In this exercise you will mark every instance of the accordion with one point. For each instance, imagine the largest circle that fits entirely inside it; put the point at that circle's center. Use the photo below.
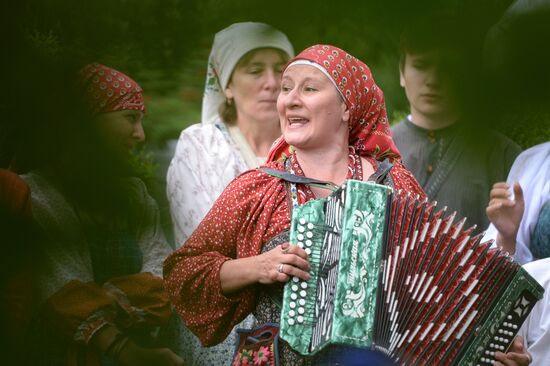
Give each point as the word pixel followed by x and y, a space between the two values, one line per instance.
pixel 394 273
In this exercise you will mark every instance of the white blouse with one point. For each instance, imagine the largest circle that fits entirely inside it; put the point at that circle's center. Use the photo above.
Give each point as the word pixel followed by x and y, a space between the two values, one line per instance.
pixel 536 329
pixel 206 160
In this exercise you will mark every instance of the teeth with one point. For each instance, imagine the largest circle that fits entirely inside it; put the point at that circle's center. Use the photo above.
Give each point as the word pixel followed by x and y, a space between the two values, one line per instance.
pixel 296 119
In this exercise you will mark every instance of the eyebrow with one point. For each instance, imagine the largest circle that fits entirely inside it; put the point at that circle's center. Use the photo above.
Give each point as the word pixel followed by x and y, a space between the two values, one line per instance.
pixel 261 63
pixel 306 79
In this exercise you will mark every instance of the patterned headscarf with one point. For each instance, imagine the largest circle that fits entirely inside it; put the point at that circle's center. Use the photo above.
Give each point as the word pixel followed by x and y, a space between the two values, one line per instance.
pixel 230 45
pixel 370 133
pixel 107 90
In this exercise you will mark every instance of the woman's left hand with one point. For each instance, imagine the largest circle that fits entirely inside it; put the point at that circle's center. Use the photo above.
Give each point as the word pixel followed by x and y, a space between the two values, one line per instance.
pixel 516 356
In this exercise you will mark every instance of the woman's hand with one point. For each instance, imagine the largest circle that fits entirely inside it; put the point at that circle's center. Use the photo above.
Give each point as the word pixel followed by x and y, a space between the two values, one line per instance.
pixel 506 213
pixel 282 263
pixel 516 356
pixel 134 355
pixel 276 265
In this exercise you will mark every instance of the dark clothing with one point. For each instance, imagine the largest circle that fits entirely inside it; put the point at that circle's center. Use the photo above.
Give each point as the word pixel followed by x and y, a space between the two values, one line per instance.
pixel 456 166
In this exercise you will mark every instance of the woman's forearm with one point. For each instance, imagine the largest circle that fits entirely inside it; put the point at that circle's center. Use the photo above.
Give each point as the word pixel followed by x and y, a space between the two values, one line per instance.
pixel 236 274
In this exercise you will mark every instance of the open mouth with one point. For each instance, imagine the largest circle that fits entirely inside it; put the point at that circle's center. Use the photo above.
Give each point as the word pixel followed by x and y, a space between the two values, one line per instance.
pixel 297 120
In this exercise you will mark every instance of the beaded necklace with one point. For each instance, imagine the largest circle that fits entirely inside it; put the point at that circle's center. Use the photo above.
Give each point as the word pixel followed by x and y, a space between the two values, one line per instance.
pixel 355 171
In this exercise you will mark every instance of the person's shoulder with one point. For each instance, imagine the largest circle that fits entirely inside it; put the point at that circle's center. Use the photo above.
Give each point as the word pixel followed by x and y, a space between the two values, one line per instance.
pixel 533 156
pixel 503 139
pixel 259 174
pixel 203 129
pixel 536 152
pixel 211 136
pixel 398 127
pixel 256 179
pixel 496 143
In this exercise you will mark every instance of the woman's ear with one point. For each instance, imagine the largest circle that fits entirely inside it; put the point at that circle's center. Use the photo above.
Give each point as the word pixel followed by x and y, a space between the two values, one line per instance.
pixel 345 116
pixel 228 92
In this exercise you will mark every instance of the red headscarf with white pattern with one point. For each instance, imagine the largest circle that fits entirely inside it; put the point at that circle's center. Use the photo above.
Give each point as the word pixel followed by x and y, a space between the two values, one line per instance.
pixel 108 90
pixel 370 133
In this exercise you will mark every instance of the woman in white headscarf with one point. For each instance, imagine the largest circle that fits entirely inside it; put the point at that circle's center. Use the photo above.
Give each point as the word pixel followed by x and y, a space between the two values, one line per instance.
pixel 239 124
pixel 239 121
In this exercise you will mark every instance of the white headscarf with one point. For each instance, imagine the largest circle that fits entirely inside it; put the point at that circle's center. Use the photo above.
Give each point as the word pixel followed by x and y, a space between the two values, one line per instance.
pixel 230 45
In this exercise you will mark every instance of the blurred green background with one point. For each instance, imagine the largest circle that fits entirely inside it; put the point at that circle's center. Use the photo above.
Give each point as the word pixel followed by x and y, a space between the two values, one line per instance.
pixel 164 44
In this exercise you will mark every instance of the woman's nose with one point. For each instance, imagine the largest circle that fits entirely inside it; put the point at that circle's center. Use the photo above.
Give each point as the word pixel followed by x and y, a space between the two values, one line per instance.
pixel 292 98
pixel 139 133
pixel 272 80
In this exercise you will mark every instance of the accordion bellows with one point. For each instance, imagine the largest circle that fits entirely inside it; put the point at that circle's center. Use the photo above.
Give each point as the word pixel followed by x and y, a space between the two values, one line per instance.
pixel 394 273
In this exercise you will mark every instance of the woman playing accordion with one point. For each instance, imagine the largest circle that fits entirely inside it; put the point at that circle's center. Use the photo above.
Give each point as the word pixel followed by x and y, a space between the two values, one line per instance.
pixel 335 128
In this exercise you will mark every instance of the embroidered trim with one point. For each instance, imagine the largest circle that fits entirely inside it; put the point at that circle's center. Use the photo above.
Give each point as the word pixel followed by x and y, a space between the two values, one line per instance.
pixel 92 324
pixel 137 315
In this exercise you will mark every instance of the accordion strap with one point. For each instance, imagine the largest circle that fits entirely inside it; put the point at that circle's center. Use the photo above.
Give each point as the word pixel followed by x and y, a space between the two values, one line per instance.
pixel 382 171
pixel 298 179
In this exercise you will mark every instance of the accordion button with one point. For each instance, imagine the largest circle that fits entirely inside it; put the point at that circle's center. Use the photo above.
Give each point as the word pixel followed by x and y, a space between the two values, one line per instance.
pixel 292 304
pixel 294 288
pixel 514 326
pixel 291 321
pixel 309 243
pixel 300 244
pixel 302 221
pixel 295 279
pixel 301 311
pixel 303 293
pixel 300 319
pixel 291 313
pixel 310 226
pixel 309 234
pixel 509 317
pixel 501 331
pixel 300 237
pixel 308 251
pixel 302 302
pixel 293 296
pixel 301 229
pixel 304 285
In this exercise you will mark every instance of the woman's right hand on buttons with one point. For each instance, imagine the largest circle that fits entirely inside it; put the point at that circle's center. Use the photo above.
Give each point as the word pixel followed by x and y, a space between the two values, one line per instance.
pixel 281 263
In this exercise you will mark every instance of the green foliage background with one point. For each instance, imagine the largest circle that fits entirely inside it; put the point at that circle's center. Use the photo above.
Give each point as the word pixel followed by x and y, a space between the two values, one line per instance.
pixel 164 45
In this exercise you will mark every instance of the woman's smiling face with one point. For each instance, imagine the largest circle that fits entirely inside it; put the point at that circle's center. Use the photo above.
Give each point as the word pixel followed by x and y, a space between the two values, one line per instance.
pixel 311 111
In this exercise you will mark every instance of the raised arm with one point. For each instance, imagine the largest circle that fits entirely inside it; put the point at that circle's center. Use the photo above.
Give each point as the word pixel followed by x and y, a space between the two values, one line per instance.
pixel 505 213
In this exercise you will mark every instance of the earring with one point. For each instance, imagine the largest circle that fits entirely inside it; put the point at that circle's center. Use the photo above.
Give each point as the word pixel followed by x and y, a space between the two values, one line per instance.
pixel 229 102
